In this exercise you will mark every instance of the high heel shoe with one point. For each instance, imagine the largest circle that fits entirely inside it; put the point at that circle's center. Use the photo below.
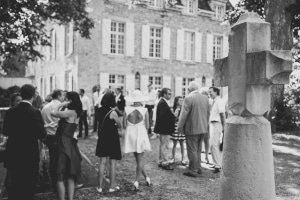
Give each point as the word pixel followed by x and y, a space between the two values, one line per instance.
pixel 136 186
pixel 148 182
pixel 99 190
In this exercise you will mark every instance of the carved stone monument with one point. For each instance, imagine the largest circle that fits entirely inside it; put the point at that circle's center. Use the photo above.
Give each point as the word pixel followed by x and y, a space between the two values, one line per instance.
pixel 249 72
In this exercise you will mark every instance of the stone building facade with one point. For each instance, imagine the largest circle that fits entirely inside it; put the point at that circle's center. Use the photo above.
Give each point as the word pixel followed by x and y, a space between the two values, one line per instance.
pixel 169 43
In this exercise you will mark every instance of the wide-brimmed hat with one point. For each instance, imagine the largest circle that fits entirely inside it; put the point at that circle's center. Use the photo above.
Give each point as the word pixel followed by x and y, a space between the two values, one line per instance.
pixel 136 96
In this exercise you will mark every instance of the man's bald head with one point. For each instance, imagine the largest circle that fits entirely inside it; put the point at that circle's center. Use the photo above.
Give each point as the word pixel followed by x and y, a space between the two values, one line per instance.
pixel 193 86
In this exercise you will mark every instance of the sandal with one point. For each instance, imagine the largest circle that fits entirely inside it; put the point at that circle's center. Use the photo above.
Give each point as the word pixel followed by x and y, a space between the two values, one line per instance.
pixel 184 163
pixel 117 188
pixel 99 190
pixel 136 186
pixel 148 182
pixel 172 161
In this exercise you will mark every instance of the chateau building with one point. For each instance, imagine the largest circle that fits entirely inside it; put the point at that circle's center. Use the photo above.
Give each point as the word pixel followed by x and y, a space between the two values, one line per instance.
pixel 169 43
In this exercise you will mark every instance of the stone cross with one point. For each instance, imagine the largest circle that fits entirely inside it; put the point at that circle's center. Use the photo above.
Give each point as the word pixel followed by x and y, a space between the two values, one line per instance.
pixel 251 66
pixel 249 72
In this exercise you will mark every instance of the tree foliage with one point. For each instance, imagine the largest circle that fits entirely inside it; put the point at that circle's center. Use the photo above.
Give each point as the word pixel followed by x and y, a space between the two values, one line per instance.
pixel 23 24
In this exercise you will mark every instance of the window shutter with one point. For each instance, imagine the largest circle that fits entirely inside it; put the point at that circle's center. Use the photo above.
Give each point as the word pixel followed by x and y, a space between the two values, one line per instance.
pixel 208 82
pixel 167 82
pixel 180 46
pixel 71 39
pixel 106 28
pixel 166 43
pixel 104 81
pixel 198 46
pixel 53 82
pixel 225 46
pixel 178 86
pixel 209 52
pixel 129 39
pixel 145 41
pixel 144 82
pixel 130 82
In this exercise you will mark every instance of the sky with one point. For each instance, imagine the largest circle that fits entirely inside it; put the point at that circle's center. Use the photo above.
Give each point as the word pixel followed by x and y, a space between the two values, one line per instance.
pixel 233 2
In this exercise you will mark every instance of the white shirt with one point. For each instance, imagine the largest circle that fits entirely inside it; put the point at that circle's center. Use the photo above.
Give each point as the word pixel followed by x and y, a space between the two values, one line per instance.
pixel 151 95
pixel 95 98
pixel 25 101
pixel 99 100
pixel 85 103
pixel 51 123
pixel 117 97
pixel 217 108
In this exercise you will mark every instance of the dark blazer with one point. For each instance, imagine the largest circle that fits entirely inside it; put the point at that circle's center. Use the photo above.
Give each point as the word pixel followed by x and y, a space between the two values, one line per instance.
pixel 23 125
pixel 121 103
pixel 165 119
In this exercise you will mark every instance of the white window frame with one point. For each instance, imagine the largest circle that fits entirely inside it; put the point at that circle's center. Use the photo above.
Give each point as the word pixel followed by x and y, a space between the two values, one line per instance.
pixel 185 85
pixel 156 82
pixel 155 41
pixel 217 47
pixel 120 47
pixel 156 3
pixel 114 81
pixel 68 39
pixel 219 10
pixel 189 46
pixel 191 7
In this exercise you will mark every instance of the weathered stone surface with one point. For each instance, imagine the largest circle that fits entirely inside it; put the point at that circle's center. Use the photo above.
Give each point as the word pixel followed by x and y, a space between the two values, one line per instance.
pixel 248 171
pixel 280 23
pixel 251 62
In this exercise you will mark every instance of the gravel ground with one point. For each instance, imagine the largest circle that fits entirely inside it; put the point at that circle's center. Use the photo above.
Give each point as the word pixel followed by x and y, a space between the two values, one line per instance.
pixel 174 185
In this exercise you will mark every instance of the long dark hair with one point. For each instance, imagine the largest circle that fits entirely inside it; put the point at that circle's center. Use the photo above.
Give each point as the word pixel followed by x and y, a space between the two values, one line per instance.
pixel 75 102
pixel 176 102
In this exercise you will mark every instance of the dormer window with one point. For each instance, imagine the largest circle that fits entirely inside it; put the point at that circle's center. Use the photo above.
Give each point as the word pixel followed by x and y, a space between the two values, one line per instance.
pixel 219 11
pixel 191 6
pixel 156 3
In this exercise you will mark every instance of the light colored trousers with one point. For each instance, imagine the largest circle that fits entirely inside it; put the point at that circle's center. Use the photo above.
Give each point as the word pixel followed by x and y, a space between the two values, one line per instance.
pixel 216 131
pixel 164 149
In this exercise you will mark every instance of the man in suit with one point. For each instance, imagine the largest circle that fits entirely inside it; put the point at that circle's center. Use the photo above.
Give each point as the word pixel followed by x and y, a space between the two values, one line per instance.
pixel 165 126
pixel 194 122
pixel 24 126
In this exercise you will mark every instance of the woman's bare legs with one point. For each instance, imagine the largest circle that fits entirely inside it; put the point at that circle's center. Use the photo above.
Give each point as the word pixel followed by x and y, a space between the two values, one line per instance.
pixel 61 190
pixel 181 142
pixel 71 188
pixel 101 171
pixel 112 173
pixel 174 149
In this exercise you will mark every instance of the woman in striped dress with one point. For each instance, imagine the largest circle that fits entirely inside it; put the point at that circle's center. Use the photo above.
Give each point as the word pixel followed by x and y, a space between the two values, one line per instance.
pixel 178 137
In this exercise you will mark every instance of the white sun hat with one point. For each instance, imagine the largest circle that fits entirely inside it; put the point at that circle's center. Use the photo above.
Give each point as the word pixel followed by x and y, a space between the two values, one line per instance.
pixel 136 96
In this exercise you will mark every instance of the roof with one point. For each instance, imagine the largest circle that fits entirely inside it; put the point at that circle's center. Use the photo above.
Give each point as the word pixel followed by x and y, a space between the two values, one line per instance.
pixel 203 5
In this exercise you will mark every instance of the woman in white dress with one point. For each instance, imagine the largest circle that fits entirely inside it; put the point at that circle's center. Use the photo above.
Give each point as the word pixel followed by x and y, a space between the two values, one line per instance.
pixel 136 141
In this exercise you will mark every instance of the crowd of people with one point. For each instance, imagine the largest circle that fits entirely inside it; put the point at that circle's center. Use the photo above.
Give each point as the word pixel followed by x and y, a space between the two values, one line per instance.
pixel 123 125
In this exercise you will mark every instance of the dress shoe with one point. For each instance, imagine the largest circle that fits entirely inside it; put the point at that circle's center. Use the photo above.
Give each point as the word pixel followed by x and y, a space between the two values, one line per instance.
pixel 167 167
pixel 190 174
pixel 199 171
pixel 217 170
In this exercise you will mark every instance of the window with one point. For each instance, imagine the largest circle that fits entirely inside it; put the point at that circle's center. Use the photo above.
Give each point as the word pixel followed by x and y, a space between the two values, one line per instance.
pixel 189 46
pixel 217 47
pixel 137 81
pixel 68 39
pixel 203 81
pixel 191 6
pixel 117 38
pixel 156 82
pixel 155 42
pixel 156 3
pixel 116 81
pixel 219 11
pixel 53 45
pixel 185 85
